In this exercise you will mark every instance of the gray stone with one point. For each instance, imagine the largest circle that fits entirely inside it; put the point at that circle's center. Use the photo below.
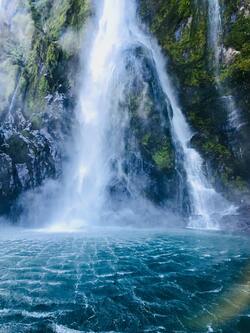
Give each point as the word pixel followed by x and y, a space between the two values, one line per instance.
pixel 6 176
pixel 23 174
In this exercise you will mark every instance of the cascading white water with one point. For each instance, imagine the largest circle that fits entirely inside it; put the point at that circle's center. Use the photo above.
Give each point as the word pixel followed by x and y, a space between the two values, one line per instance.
pixel 207 206
pixel 90 172
pixel 215 41
pixel 84 197
pixel 215 33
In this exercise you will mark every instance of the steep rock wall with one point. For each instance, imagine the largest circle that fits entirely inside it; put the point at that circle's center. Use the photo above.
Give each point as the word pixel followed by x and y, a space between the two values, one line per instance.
pixel 182 29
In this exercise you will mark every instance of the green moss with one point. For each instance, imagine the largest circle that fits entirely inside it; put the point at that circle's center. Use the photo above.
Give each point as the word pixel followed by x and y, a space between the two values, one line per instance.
pixel 184 8
pixel 233 182
pixel 47 68
pixel 199 121
pixel 226 176
pixel 217 149
pixel 230 8
pixel 35 14
pixel 79 11
pixel 163 157
pixel 236 75
pixel 187 51
pixel 181 28
pixel 36 121
pixel 53 55
pixel 240 184
pixel 45 71
pixel 146 140
pixel 59 21
pixel 43 86
pixel 239 34
pixel 70 13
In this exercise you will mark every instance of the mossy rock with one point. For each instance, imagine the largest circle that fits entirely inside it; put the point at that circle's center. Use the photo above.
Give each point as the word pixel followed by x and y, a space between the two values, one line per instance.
pixel 18 149
pixel 164 157
pixel 181 34
pixel 48 67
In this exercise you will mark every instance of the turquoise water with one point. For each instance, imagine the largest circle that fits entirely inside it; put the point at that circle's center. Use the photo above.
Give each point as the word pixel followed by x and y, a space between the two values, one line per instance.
pixel 124 281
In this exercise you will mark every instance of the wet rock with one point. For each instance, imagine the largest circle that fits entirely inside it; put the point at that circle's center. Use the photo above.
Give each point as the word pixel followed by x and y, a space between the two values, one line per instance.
pixel 23 175
pixel 27 157
pixel 6 175
pixel 150 157
pixel 225 151
pixel 245 10
pixel 229 55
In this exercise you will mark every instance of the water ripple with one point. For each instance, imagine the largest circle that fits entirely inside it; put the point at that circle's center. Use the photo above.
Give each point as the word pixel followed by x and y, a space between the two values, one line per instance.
pixel 138 282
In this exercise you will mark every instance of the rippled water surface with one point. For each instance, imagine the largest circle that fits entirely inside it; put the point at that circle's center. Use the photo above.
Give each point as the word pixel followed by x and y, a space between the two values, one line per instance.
pixel 124 281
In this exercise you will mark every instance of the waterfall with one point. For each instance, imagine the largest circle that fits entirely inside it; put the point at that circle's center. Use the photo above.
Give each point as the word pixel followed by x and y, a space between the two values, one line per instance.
pixel 100 160
pixel 215 41
pixel 207 206
pixel 215 34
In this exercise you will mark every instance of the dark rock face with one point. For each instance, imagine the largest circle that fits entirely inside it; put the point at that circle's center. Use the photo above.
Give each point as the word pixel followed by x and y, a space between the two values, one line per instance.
pixel 28 157
pixel 7 186
pixel 149 156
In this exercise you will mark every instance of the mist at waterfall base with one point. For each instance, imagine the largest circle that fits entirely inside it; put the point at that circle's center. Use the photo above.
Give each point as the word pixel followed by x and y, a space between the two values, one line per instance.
pixel 104 181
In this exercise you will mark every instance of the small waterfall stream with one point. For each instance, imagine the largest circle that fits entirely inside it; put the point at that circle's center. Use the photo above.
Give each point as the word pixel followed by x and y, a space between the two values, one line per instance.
pixel 118 33
pixel 215 34
pixel 207 206
pixel 215 41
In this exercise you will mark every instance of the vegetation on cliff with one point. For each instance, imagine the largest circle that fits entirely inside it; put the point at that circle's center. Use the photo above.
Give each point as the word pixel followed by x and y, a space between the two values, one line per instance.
pixel 50 62
pixel 181 28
